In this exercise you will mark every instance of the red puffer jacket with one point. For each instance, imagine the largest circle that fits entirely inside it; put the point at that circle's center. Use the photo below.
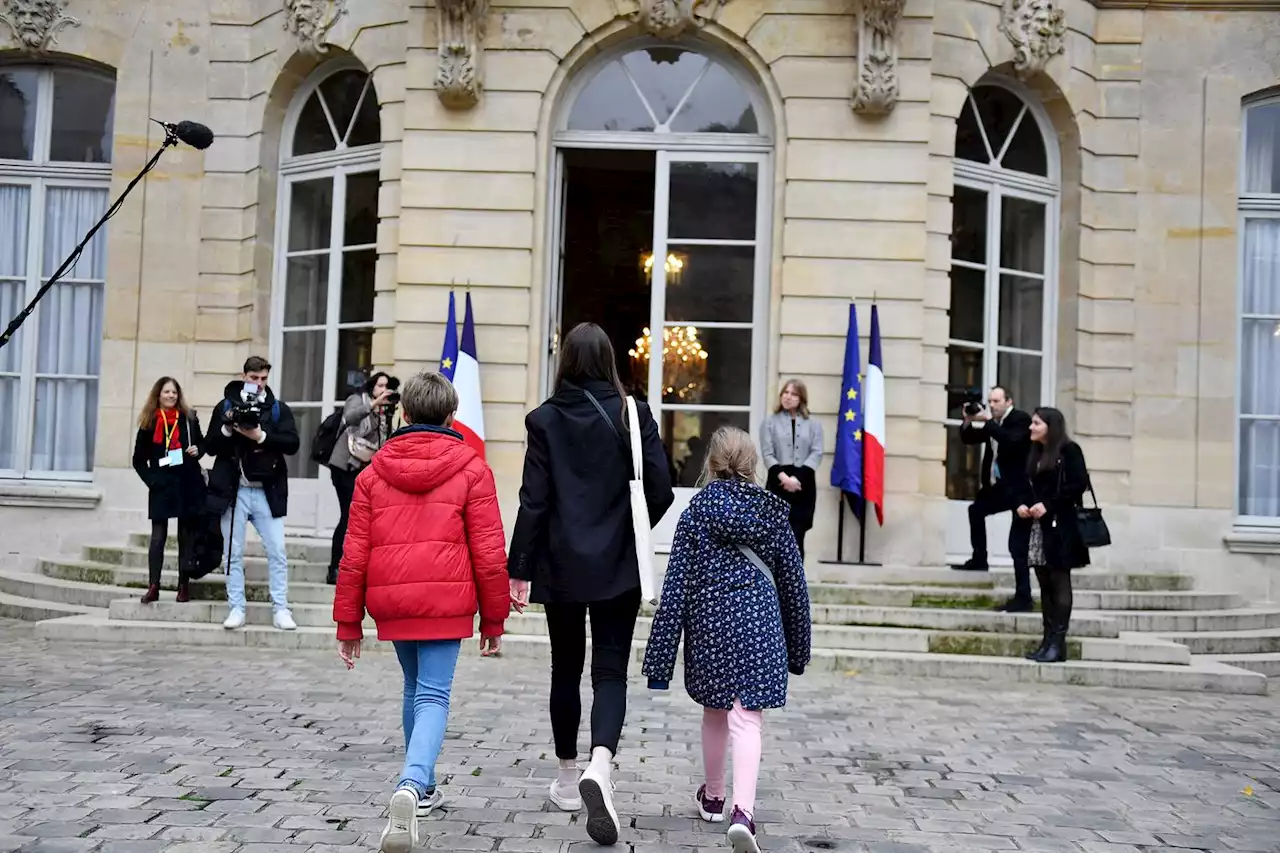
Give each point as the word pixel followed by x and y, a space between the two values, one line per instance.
pixel 424 543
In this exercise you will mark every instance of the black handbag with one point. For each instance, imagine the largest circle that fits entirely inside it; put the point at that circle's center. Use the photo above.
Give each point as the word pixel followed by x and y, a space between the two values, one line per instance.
pixel 1090 524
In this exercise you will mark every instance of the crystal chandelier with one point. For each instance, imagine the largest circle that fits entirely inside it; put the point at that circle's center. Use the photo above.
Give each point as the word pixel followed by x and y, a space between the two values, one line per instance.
pixel 684 362
pixel 673 267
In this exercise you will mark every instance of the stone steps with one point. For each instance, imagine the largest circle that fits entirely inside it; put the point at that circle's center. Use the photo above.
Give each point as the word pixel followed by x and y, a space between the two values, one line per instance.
pixel 890 595
pixel 211 587
pixel 307 549
pixel 1201 675
pixel 1154 622
pixel 954 619
pixel 999 579
pixel 255 568
pixel 1266 663
pixel 59 591
pixel 36 610
pixel 1246 642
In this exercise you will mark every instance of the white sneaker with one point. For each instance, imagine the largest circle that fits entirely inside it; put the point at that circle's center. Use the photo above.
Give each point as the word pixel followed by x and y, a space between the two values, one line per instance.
pixel 597 796
pixel 566 799
pixel 401 834
pixel 235 619
pixel 430 804
pixel 282 619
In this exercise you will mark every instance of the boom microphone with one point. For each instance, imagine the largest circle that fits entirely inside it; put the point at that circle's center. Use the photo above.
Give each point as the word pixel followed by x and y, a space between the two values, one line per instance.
pixel 194 134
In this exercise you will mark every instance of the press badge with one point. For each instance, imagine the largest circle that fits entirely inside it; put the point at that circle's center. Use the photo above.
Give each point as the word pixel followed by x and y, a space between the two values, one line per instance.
pixel 173 457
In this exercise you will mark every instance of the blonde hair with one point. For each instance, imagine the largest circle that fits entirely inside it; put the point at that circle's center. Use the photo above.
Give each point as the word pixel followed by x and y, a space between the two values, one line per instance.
pixel 429 399
pixel 802 391
pixel 731 455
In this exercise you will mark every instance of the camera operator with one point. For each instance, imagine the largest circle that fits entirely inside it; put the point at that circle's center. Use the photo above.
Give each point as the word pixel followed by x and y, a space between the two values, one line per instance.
pixel 1005 433
pixel 366 425
pixel 251 433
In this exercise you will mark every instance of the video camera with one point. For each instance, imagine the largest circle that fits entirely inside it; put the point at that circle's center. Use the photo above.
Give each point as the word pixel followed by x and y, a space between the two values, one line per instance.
pixel 246 412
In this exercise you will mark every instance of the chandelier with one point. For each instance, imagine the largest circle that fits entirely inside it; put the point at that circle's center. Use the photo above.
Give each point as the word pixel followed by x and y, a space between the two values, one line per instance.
pixel 684 362
pixel 673 266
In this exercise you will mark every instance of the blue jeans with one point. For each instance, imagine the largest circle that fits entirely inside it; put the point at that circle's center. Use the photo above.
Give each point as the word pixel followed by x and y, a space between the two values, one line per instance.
pixel 428 667
pixel 251 506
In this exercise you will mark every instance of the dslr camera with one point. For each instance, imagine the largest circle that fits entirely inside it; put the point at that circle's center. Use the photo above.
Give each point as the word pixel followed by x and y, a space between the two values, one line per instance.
pixel 246 412
pixel 973 406
pixel 393 399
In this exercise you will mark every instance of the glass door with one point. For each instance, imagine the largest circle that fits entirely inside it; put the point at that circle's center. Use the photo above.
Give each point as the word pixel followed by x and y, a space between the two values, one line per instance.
pixel 704 346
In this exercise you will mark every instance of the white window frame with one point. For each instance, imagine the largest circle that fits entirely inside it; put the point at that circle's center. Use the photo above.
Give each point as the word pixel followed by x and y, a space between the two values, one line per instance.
pixel 999 183
pixel 337 166
pixel 1250 206
pixel 40 175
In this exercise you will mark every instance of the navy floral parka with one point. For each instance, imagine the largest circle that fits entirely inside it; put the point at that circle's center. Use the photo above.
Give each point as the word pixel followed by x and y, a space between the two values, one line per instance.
pixel 741 636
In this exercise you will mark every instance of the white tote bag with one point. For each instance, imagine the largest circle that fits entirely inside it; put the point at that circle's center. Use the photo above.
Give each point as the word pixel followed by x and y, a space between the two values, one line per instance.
pixel 640 509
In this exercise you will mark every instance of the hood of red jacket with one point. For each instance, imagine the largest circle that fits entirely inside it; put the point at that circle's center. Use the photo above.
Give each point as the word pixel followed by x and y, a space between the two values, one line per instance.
pixel 418 459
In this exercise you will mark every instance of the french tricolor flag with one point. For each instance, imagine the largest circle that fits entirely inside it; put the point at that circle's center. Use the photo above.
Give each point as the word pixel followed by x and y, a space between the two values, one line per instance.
pixel 460 365
pixel 873 423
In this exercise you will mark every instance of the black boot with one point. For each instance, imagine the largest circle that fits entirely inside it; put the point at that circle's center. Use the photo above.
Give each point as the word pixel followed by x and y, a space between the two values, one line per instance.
pixel 1044 641
pixel 1046 613
pixel 1055 650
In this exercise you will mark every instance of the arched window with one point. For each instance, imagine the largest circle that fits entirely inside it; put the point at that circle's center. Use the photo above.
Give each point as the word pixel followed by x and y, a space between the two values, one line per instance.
pixel 56 128
pixel 326 248
pixel 1003 263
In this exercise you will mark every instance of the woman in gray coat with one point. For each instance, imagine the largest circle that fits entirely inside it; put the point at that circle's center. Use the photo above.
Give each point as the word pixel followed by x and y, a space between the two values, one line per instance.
pixel 791 443
pixel 366 423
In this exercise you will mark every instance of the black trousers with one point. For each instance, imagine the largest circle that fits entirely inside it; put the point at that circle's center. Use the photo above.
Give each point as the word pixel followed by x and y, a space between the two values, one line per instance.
pixel 159 539
pixel 993 500
pixel 344 483
pixel 799 536
pixel 1055 598
pixel 613 623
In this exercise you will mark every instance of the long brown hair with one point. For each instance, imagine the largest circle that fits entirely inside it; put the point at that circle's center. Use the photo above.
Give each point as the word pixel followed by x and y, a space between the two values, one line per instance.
pixel 586 353
pixel 149 409
pixel 802 391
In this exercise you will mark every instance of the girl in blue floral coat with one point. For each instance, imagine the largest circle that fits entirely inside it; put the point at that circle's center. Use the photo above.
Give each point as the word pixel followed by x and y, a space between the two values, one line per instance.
pixel 735 587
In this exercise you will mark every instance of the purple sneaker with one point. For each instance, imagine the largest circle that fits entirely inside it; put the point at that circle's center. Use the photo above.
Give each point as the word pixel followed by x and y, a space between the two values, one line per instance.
pixel 711 809
pixel 742 833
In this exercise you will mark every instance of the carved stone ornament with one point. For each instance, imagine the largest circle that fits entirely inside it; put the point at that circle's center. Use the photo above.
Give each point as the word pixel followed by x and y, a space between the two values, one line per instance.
pixel 670 18
pixel 310 22
pixel 35 23
pixel 1036 28
pixel 460 32
pixel 875 91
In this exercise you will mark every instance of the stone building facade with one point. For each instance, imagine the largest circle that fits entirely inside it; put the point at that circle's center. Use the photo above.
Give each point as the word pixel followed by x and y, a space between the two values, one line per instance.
pixel 1076 199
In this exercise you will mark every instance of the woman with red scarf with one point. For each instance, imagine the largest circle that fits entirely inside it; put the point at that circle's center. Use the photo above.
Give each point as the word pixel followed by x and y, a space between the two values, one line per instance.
pixel 166 456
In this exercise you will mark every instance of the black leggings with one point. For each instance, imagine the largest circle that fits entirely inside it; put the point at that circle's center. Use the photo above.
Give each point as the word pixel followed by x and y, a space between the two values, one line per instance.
pixel 1055 597
pixel 795 528
pixel 613 623
pixel 344 483
pixel 160 538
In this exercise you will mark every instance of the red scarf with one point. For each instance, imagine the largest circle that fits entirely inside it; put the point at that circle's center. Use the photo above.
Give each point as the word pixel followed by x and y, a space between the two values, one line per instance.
pixel 167 423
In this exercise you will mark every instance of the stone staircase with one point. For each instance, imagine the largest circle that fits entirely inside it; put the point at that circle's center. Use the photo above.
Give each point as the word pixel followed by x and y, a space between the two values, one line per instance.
pixel 1147 630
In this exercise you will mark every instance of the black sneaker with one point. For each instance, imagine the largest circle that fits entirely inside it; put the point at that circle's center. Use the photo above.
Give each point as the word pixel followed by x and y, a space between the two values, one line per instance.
pixel 971 566
pixel 1017 605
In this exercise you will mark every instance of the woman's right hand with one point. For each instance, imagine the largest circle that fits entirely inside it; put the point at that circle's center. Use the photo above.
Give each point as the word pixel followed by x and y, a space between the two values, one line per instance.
pixel 380 400
pixel 1023 512
pixel 519 595
pixel 490 646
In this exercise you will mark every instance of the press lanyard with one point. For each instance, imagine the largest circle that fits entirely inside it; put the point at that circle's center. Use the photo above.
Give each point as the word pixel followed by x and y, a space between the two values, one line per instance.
pixel 168 433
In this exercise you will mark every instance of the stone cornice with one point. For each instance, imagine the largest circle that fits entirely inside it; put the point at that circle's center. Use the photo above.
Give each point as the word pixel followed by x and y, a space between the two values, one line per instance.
pixel 1192 5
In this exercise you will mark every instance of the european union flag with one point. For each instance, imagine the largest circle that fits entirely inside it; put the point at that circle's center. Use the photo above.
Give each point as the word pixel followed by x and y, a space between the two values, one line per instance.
pixel 846 473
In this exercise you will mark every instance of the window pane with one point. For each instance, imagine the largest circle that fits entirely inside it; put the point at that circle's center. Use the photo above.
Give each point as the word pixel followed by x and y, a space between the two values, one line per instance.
pixel 361 228
pixel 1020 374
pixel 609 102
pixel 367 128
pixel 69 213
pixel 1021 312
pixel 1260 367
pixel 713 201
pixel 66 425
pixel 1261 279
pixel 707 366
pixel 13 294
pixel 311 214
pixel 998 109
pixel 1027 152
pixel 341 93
pixel 1260 468
pixel 1022 234
pixel 714 284
pixel 718 104
pixel 308 420
pixel 969 225
pixel 686 434
pixel 964 467
pixel 664 75
pixel 306 294
pixel 70 338
pixel 9 402
pixel 83 117
pixel 1261 154
pixel 15 206
pixel 303 367
pixel 355 352
pixel 18 92
pixel 969 145
pixel 358 282
pixel 968 304
pixel 964 378
pixel 312 133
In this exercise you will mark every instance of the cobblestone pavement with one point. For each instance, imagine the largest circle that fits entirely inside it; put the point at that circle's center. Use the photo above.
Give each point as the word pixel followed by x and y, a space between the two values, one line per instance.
pixel 124 750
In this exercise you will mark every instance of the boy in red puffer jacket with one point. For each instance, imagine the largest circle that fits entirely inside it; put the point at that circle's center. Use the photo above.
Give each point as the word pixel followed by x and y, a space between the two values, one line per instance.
pixel 424 550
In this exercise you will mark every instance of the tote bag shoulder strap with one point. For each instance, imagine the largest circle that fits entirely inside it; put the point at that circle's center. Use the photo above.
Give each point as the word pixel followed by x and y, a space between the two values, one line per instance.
pixel 759 564
pixel 633 423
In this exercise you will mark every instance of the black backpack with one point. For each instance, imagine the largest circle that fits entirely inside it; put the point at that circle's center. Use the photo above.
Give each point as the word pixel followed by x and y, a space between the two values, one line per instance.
pixel 326 438
pixel 206 544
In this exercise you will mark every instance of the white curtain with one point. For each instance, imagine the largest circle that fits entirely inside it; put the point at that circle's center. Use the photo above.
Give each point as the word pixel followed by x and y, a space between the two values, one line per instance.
pixel 1021 299
pixel 70 335
pixel 14 208
pixel 1260 370
pixel 1261 149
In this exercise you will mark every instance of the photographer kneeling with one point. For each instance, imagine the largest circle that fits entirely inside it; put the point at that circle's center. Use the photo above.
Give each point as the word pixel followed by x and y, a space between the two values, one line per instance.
pixel 1005 433
pixel 251 433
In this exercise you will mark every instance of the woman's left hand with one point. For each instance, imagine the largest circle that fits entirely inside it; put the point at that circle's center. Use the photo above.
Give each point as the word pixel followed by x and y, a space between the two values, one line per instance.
pixel 1038 511
pixel 519 595
pixel 349 651
pixel 192 451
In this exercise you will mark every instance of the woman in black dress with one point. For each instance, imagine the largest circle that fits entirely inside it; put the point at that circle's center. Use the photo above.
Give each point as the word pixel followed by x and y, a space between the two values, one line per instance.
pixel 166 456
pixel 791 444
pixel 1053 489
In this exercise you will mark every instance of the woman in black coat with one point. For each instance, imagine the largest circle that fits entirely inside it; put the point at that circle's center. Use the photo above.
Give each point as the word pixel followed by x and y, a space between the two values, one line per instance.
pixel 1053 489
pixel 575 543
pixel 166 456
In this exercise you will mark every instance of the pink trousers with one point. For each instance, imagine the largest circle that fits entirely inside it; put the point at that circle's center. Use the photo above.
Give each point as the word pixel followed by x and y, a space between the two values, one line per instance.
pixel 743 728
